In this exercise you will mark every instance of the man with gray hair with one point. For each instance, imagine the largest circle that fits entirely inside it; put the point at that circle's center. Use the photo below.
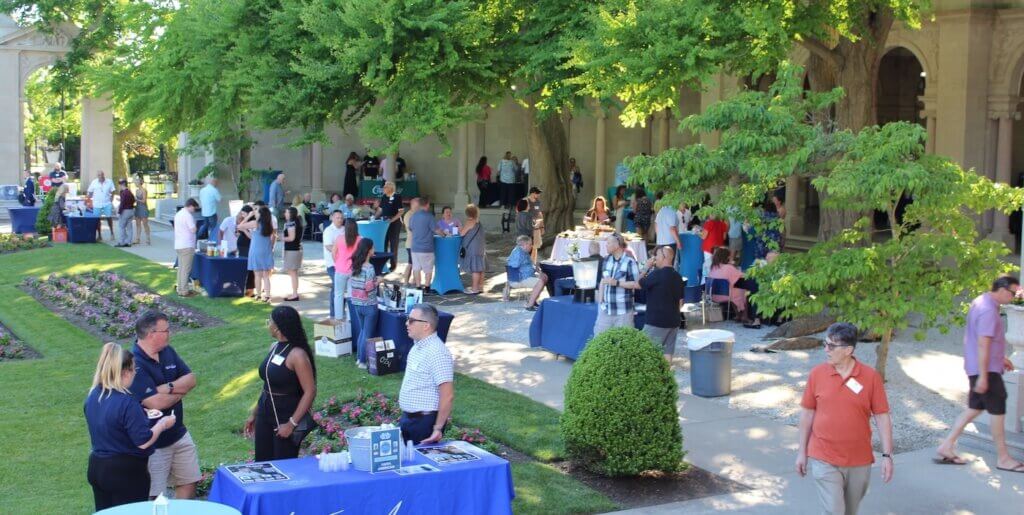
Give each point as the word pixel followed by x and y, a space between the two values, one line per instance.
pixel 162 380
pixel 209 200
pixel 428 390
pixel 521 262
pixel 839 401
pixel 619 277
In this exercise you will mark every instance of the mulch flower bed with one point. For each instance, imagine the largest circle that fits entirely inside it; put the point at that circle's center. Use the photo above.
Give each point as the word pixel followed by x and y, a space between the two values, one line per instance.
pixel 11 348
pixel 106 304
pixel 17 242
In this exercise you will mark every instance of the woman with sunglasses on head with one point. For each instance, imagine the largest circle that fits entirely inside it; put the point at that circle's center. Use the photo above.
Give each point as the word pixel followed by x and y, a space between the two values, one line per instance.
pixel 122 439
pixel 362 289
pixel 281 418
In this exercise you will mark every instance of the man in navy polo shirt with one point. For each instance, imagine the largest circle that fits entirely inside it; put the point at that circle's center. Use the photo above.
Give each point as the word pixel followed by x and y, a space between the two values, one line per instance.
pixel 162 379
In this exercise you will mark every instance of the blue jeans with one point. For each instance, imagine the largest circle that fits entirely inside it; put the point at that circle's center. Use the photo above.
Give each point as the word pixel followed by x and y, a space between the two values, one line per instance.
pixel 330 275
pixel 212 228
pixel 367 317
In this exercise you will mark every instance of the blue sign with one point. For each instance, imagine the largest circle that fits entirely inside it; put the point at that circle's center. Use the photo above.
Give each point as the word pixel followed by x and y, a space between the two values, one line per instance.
pixel 385 450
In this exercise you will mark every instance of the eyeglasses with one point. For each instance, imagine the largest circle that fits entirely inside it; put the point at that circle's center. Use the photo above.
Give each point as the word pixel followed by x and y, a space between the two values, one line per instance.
pixel 168 330
pixel 833 346
pixel 411 320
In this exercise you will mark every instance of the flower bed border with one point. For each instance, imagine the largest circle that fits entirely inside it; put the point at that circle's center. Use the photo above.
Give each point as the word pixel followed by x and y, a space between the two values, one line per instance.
pixel 70 315
pixel 36 243
pixel 27 352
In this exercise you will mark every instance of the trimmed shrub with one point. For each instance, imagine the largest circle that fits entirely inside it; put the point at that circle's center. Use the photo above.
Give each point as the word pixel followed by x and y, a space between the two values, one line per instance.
pixel 620 414
pixel 43 218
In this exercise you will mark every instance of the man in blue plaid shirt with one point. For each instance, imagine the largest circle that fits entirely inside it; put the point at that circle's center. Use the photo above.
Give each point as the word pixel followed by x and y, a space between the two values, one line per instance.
pixel 615 292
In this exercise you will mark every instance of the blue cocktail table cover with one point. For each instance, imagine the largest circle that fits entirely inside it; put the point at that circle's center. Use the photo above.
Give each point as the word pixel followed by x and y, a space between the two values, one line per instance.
pixel 446 264
pixel 564 327
pixel 376 230
pixel 82 228
pixel 23 219
pixel 220 276
pixel 471 488
pixel 391 326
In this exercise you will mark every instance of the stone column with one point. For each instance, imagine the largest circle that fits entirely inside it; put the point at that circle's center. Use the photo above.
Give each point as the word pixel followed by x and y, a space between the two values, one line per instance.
pixel 600 163
pixel 97 139
pixel 12 160
pixel 664 121
pixel 184 168
pixel 461 198
pixel 392 164
pixel 316 171
pixel 1004 158
pixel 929 114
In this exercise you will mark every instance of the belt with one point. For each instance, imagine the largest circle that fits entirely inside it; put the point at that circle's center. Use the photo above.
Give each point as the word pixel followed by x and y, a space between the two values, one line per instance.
pixel 418 414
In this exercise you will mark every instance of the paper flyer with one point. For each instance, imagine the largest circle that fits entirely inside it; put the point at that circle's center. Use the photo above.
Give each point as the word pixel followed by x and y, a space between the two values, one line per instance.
pixel 248 473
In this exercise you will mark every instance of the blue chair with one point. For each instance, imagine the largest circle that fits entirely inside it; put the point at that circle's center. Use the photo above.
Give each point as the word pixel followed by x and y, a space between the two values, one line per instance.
pixel 716 287
pixel 512 281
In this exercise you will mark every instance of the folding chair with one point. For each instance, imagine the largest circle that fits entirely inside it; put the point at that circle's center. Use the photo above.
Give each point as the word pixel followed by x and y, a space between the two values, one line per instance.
pixel 715 287
pixel 512 282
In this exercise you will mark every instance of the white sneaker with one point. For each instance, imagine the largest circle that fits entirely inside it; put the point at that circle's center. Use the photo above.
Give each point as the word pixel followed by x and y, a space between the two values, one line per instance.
pixel 360 364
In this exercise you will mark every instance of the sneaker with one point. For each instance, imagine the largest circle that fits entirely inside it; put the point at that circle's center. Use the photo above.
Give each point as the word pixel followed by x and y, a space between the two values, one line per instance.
pixel 360 364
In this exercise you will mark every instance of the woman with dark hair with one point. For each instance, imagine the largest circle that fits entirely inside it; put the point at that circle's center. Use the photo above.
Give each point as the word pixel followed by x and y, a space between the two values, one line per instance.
pixel 474 243
pixel 352 166
pixel 292 249
pixel 343 250
pixel 363 295
pixel 244 241
pixel 121 436
pixel 619 203
pixel 335 203
pixel 643 211
pixel 524 218
pixel 261 257
pixel 281 418
pixel 483 178
pixel 722 268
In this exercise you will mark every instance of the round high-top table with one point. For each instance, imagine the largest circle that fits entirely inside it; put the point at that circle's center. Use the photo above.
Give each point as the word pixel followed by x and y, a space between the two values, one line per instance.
pixel 23 219
pixel 376 230
pixel 446 264
pixel 174 506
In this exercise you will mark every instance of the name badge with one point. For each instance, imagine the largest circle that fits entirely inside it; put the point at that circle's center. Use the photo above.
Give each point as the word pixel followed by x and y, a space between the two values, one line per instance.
pixel 277 359
pixel 854 386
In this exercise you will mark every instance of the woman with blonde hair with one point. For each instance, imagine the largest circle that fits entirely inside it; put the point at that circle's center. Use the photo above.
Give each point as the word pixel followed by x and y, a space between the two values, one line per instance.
pixel 118 427
pixel 141 211
pixel 598 212
pixel 474 257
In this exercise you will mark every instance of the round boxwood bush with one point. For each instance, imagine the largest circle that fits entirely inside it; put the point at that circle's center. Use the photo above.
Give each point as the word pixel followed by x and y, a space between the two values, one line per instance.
pixel 620 414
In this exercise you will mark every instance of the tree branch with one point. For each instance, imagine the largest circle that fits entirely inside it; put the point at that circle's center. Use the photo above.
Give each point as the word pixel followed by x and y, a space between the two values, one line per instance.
pixel 819 49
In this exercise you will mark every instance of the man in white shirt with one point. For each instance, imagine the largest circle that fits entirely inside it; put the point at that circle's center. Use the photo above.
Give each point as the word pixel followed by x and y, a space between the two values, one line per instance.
pixel 331 233
pixel 226 233
pixel 101 191
pixel 428 390
pixel 185 244
pixel 666 227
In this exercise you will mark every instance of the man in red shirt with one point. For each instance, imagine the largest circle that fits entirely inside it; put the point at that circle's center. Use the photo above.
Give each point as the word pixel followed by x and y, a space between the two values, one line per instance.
pixel 841 397
pixel 713 232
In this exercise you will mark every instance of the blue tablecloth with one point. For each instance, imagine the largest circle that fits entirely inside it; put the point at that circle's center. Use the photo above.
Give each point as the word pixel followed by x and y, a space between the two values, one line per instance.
pixel 391 326
pixel 564 327
pixel 376 230
pixel 82 228
pixel 378 260
pixel 554 271
pixel 446 264
pixel 176 506
pixel 691 257
pixel 220 276
pixel 474 487
pixel 23 219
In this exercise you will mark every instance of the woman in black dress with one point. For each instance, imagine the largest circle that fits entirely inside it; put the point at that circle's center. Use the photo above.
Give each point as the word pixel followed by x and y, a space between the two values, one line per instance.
pixel 243 251
pixel 289 387
pixel 352 165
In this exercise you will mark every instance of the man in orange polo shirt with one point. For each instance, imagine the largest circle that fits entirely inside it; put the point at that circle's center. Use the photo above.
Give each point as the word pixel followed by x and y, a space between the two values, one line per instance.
pixel 841 397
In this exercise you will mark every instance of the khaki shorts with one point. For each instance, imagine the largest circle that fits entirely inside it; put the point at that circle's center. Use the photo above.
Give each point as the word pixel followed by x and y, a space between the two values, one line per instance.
pixel 529 282
pixel 422 261
pixel 173 466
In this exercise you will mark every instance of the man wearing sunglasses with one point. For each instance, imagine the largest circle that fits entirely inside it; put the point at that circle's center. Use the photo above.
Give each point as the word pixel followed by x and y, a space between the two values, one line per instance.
pixel 427 392
pixel 841 397
pixel 985 361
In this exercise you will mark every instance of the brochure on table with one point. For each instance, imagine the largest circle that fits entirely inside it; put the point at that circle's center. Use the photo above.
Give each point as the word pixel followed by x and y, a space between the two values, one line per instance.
pixel 248 473
pixel 385 450
pixel 447 454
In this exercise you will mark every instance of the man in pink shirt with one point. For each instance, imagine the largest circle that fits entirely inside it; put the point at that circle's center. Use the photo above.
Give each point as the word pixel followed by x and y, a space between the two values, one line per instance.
pixel 985 361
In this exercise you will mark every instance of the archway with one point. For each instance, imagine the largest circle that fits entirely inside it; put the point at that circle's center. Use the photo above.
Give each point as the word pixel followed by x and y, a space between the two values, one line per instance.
pixel 901 81
pixel 52 125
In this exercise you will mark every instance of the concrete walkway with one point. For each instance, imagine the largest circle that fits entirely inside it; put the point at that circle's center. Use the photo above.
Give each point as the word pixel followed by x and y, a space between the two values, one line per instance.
pixel 490 342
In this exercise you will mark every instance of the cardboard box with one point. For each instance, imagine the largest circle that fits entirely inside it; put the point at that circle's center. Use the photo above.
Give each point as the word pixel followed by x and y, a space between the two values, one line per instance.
pixel 382 357
pixel 329 348
pixel 333 329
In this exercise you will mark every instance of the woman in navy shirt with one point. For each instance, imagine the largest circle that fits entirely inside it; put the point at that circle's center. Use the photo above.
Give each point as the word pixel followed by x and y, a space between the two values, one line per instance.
pixel 120 432
pixel 389 208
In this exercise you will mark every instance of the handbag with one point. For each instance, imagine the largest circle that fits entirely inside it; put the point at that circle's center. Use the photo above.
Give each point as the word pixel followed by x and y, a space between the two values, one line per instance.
pixel 305 425
pixel 462 250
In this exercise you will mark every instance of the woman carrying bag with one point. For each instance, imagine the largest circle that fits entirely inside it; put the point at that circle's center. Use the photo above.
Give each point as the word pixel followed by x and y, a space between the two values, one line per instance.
pixel 281 418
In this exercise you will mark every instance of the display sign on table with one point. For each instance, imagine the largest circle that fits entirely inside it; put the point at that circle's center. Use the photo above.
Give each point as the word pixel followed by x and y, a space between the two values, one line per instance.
pixel 374 188
pixel 257 473
pixel 385 450
pixel 447 454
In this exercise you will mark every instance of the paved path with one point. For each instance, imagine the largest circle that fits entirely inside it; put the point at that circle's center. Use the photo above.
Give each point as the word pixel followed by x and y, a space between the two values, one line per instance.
pixel 489 341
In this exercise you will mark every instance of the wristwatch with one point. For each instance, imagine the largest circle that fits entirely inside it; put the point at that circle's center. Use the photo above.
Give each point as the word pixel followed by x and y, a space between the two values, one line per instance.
pixel 170 387
pixel 886 455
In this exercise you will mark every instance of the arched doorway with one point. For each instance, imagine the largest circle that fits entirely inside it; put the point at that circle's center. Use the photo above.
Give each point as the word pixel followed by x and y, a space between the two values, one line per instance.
pixel 901 81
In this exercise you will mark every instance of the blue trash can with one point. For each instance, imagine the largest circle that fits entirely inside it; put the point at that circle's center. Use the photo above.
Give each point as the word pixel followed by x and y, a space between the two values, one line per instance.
pixel 710 362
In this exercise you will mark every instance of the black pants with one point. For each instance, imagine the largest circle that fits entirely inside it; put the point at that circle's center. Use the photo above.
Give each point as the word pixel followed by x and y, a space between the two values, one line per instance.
pixel 482 186
pixel 508 193
pixel 269 446
pixel 416 427
pixel 391 242
pixel 118 480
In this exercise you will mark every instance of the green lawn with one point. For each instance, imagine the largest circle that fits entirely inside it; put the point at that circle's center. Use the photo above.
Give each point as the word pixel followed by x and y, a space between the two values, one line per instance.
pixel 43 433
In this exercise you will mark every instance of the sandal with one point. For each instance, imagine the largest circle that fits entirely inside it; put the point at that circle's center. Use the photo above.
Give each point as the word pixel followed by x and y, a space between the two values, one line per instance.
pixel 1018 468
pixel 292 298
pixel 949 460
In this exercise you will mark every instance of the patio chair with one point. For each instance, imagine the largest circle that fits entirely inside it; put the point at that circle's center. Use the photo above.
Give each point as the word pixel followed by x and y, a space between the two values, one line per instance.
pixel 512 283
pixel 715 287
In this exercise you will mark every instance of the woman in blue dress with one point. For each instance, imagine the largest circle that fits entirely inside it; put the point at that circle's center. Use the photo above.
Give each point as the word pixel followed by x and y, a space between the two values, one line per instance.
pixel 261 250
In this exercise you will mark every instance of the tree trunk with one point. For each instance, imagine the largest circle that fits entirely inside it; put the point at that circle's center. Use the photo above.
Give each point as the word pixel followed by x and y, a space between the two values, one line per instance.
pixel 121 167
pixel 854 66
pixel 882 353
pixel 549 160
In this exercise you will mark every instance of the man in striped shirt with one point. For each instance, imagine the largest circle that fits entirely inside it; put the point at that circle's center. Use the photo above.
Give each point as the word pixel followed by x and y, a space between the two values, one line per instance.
pixel 428 391
pixel 615 291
